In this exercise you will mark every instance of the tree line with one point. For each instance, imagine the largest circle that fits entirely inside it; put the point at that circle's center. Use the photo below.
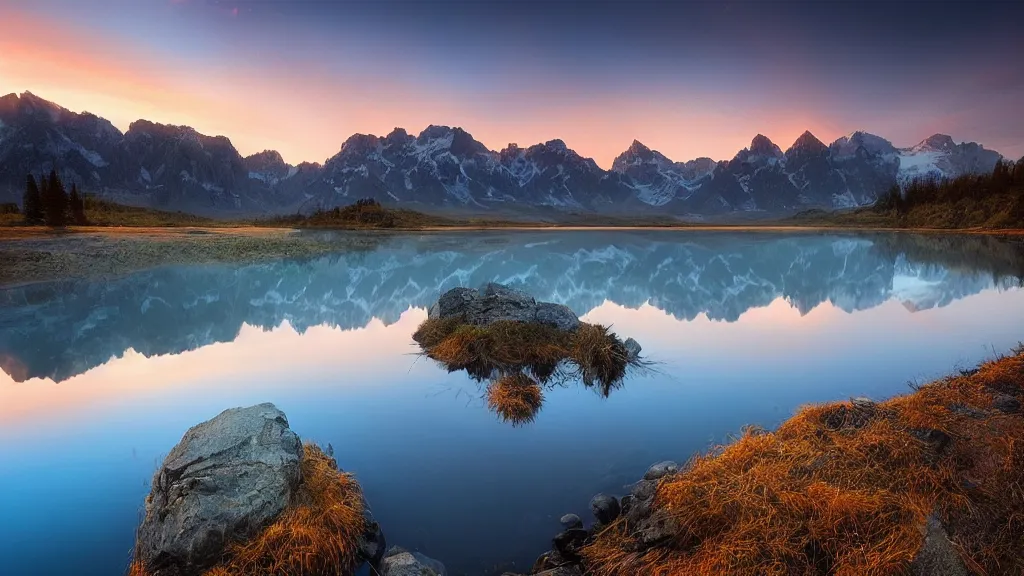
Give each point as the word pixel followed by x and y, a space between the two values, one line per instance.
pixel 1005 181
pixel 48 202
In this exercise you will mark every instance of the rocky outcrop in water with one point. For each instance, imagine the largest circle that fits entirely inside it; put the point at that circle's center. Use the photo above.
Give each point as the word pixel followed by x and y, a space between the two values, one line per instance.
pixel 496 302
pixel 225 480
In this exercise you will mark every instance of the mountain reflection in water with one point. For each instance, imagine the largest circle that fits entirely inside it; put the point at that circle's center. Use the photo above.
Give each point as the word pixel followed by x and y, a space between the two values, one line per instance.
pixel 61 329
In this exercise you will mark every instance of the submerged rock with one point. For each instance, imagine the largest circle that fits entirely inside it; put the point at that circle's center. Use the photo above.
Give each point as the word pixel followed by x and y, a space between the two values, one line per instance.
pixel 605 508
pixel 660 470
pixel 400 562
pixel 495 302
pixel 227 478
pixel 571 521
pixel 633 349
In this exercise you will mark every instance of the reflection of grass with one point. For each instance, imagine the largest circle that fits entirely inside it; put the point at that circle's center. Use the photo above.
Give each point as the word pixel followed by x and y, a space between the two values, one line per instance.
pixel 516 398
pixel 508 347
pixel 317 534
pixel 846 489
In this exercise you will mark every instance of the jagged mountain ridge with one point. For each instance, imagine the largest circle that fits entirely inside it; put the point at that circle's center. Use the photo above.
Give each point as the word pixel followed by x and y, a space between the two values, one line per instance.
pixel 60 329
pixel 177 168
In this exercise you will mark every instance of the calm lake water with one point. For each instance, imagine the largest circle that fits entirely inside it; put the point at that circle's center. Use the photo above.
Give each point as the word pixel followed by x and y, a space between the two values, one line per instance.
pixel 100 379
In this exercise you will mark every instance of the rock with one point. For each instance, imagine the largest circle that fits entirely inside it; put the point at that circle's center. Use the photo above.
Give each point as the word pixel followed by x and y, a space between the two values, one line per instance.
pixel 568 543
pixel 1006 404
pixel 937 556
pixel 626 502
pixel 495 302
pixel 633 349
pixel 656 529
pixel 937 440
pixel 372 544
pixel 557 315
pixel 546 561
pixel 571 521
pixel 605 508
pixel 400 562
pixel 501 291
pixel 661 469
pixel 225 480
pixel 863 403
pixel 965 410
pixel 644 489
pixel 453 302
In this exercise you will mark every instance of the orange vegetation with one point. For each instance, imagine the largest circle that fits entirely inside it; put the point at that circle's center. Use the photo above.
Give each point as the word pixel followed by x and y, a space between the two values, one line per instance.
pixel 317 534
pixel 508 347
pixel 846 489
pixel 516 398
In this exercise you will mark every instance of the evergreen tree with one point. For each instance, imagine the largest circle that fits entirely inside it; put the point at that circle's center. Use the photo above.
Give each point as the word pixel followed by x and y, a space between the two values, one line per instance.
pixel 55 201
pixel 1001 173
pixel 32 203
pixel 77 206
pixel 1018 172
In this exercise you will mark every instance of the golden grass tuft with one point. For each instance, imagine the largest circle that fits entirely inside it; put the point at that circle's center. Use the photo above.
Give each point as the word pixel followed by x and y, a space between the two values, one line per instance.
pixel 317 534
pixel 601 356
pixel 516 398
pixel 507 347
pixel 845 489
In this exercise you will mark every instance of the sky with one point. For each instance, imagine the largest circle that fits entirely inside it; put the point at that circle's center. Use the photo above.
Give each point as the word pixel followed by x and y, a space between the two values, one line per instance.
pixel 689 79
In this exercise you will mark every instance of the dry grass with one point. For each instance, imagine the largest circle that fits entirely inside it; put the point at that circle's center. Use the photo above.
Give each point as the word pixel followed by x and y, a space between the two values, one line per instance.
pixel 506 347
pixel 515 398
pixel 317 534
pixel 845 489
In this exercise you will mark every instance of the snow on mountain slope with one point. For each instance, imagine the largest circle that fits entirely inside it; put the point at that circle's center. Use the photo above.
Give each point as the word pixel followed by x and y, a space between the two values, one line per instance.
pixel 939 157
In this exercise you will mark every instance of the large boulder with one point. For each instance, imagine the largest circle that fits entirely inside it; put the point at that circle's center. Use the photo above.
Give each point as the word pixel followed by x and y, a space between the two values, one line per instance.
pixel 227 478
pixel 495 302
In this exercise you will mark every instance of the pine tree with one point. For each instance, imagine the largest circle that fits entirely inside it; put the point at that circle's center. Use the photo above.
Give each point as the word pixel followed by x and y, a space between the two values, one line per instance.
pixel 77 206
pixel 55 202
pixel 1001 174
pixel 1018 172
pixel 32 203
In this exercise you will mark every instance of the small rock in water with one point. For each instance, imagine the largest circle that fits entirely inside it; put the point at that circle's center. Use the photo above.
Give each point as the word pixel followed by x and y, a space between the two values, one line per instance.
pixel 569 542
pixel 372 544
pixel 571 521
pixel 401 562
pixel 605 508
pixel 661 469
pixel 633 349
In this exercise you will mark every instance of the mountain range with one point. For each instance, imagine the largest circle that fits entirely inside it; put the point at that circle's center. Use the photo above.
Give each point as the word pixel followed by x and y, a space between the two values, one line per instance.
pixel 57 330
pixel 177 168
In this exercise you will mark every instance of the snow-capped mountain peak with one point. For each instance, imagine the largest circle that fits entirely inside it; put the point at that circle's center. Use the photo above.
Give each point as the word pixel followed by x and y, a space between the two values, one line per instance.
pixel 936 143
pixel 939 157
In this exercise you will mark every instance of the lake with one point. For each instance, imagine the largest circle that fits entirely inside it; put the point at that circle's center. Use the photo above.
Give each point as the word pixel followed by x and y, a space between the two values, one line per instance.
pixel 100 380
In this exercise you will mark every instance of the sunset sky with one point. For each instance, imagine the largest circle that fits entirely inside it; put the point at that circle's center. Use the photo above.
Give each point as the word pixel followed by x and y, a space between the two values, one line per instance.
pixel 688 79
